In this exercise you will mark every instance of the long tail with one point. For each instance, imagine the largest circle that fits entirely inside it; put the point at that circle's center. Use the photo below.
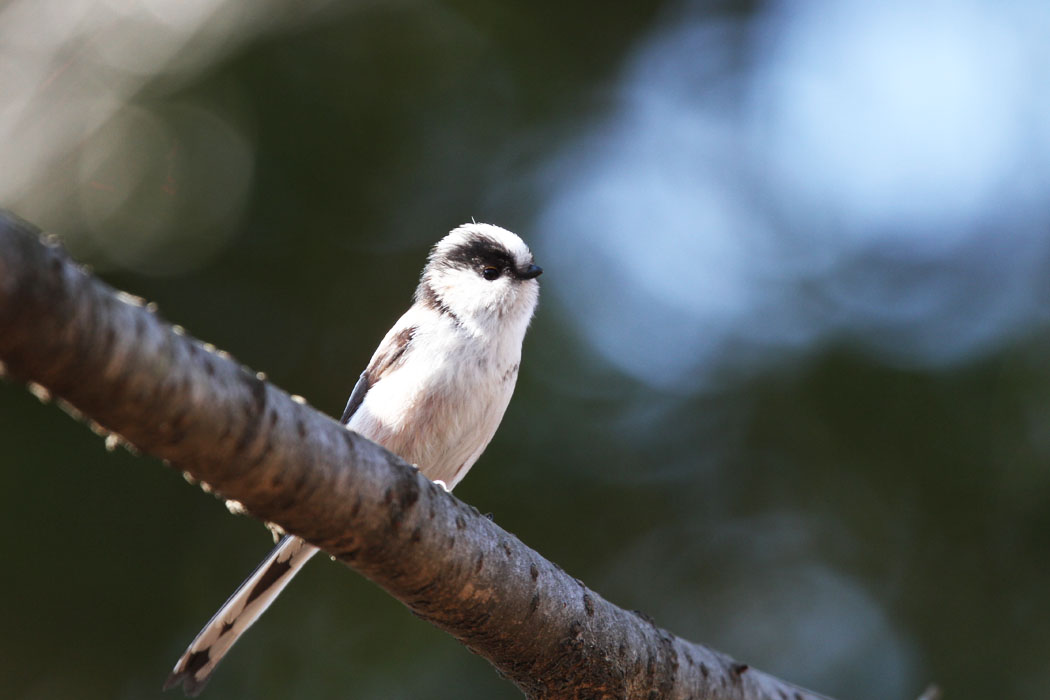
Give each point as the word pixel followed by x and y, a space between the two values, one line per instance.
pixel 196 665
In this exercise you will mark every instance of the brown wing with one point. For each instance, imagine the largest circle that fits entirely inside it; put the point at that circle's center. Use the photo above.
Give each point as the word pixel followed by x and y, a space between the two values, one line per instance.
pixel 389 356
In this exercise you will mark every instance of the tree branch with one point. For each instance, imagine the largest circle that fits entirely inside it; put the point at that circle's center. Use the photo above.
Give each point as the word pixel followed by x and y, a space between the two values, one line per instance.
pixel 112 359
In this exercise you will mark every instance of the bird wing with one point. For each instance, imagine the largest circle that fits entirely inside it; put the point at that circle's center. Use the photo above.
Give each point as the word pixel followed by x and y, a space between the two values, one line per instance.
pixel 388 356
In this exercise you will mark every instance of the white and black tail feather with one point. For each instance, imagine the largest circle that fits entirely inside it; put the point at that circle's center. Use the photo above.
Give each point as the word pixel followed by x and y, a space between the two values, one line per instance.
pixel 251 598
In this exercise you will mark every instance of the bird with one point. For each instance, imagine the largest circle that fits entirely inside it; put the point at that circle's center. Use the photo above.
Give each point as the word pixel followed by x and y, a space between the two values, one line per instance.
pixel 434 393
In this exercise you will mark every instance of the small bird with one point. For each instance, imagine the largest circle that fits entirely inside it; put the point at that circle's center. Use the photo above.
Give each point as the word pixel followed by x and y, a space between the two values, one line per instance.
pixel 434 393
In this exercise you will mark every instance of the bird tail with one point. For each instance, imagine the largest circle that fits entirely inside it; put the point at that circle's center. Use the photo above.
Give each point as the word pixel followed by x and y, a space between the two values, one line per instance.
pixel 196 665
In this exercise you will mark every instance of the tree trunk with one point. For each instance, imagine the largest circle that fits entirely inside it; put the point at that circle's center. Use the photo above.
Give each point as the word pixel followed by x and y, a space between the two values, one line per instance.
pixel 111 359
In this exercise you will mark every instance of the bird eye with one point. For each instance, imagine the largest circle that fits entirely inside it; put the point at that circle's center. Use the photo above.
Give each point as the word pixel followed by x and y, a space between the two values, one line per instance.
pixel 490 273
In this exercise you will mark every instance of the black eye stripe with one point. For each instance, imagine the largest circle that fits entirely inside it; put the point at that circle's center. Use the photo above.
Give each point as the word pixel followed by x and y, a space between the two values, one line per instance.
pixel 480 252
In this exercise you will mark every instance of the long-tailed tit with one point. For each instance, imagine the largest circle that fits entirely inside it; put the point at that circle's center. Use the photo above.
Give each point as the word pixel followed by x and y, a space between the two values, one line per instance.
pixel 434 394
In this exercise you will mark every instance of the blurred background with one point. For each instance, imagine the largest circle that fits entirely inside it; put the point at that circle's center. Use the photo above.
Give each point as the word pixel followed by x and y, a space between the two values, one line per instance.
pixel 787 392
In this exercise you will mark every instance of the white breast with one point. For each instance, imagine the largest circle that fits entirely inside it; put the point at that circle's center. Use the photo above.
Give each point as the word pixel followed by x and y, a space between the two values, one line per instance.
pixel 441 407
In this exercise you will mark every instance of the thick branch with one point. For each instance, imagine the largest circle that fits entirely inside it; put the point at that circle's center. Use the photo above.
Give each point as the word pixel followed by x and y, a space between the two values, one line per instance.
pixel 118 363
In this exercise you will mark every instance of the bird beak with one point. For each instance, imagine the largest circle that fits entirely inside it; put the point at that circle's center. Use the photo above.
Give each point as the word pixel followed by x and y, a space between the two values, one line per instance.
pixel 531 272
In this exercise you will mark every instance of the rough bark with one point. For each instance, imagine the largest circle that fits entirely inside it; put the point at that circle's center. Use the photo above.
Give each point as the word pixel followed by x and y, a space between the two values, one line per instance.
pixel 116 362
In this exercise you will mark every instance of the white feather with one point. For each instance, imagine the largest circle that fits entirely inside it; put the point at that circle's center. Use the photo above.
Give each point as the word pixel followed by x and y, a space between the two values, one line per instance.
pixel 437 388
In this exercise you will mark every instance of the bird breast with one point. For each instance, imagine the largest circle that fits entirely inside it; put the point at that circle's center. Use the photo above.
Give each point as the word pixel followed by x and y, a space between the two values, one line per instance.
pixel 439 415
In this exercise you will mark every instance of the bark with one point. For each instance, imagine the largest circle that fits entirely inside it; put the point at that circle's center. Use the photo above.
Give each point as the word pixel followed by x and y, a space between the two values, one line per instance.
pixel 111 358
